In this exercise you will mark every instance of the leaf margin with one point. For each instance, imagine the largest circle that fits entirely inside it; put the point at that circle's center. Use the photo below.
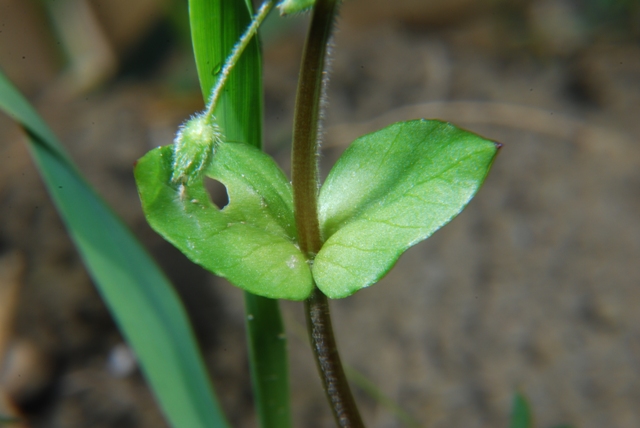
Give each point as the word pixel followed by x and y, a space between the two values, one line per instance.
pixel 346 211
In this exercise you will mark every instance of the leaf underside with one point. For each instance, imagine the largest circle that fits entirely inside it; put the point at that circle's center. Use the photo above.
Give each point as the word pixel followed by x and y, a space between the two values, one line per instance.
pixel 390 190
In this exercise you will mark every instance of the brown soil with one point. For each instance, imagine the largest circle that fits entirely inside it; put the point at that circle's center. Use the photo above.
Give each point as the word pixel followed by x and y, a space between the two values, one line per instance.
pixel 534 287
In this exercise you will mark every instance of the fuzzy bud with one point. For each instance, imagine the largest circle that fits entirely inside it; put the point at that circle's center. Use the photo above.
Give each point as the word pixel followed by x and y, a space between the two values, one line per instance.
pixel 287 7
pixel 194 147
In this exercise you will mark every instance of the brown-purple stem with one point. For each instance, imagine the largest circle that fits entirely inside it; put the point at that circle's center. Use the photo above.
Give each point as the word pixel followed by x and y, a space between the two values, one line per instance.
pixel 305 196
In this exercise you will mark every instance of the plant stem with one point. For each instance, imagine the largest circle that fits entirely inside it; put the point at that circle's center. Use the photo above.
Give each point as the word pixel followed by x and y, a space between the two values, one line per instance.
pixel 304 168
pixel 305 195
pixel 234 56
pixel 325 350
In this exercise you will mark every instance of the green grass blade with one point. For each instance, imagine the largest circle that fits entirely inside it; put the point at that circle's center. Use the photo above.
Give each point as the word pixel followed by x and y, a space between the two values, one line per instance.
pixel 216 25
pixel 268 356
pixel 240 116
pixel 142 301
pixel 521 416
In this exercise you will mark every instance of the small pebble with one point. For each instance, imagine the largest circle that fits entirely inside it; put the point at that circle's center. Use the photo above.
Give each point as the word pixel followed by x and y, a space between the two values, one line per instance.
pixel 121 361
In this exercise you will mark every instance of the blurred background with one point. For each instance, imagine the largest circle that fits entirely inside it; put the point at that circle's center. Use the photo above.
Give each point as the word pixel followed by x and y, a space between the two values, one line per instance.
pixel 535 287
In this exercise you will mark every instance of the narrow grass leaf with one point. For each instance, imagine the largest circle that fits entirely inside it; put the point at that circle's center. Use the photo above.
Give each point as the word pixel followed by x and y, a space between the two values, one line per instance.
pixel 216 26
pixel 268 354
pixel 142 301
pixel 521 416
pixel 213 36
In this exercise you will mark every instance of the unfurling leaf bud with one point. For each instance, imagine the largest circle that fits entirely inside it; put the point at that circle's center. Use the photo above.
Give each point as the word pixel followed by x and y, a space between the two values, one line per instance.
pixel 194 147
pixel 287 7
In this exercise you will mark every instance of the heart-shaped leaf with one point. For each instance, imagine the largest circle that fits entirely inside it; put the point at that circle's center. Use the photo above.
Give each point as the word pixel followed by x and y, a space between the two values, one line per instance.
pixel 390 190
pixel 251 241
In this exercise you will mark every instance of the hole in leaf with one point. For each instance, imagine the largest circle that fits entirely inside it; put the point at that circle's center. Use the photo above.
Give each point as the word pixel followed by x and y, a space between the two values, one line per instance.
pixel 217 192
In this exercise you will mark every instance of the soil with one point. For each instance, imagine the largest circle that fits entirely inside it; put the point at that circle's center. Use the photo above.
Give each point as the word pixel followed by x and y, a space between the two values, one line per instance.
pixel 533 288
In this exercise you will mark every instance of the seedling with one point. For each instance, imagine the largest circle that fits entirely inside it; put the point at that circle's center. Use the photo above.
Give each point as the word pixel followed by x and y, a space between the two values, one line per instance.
pixel 390 190
pixel 275 239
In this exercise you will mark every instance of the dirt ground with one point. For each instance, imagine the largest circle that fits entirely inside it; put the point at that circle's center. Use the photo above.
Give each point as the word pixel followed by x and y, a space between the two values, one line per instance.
pixel 535 287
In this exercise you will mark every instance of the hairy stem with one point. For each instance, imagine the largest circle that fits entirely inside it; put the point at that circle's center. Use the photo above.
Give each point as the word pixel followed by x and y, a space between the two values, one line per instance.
pixel 233 58
pixel 304 168
pixel 305 195
pixel 325 350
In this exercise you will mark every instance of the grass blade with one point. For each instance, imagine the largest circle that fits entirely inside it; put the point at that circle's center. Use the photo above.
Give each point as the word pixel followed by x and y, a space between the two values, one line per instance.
pixel 520 412
pixel 216 25
pixel 268 359
pixel 142 301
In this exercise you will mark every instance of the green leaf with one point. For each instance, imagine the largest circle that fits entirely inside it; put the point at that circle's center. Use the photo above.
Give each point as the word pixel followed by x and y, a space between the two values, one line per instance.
pixel 521 416
pixel 390 190
pixel 142 301
pixel 216 25
pixel 251 242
